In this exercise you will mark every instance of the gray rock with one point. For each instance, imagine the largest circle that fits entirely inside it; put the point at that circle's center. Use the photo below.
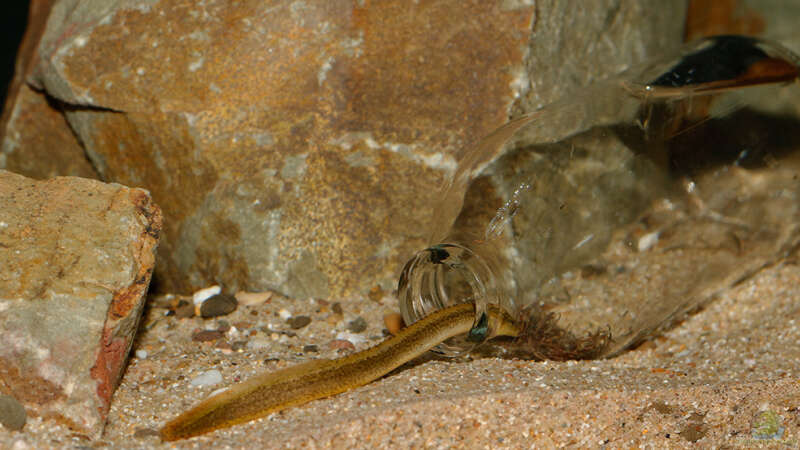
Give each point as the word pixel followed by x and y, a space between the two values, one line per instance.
pixel 12 413
pixel 307 147
pixel 77 258
pixel 357 325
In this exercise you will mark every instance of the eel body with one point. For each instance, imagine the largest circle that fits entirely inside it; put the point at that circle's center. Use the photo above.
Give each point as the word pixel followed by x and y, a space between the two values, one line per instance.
pixel 292 386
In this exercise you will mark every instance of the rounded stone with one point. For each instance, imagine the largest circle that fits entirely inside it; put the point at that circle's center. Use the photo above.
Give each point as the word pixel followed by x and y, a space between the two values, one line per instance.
pixel 12 413
pixel 357 325
pixel 298 322
pixel 218 305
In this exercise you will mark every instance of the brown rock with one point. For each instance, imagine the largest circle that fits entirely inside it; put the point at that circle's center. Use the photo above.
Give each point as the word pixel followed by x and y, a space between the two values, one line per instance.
pixel 375 294
pixel 77 258
pixel 298 322
pixel 218 305
pixel 306 140
pixel 31 153
pixel 207 335
pixel 341 344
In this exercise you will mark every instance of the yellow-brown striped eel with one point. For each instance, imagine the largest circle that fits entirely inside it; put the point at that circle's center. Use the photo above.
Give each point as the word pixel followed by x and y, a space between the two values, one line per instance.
pixel 268 393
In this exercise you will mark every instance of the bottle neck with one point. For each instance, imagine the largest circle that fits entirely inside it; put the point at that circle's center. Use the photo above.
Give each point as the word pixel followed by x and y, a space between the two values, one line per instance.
pixel 445 275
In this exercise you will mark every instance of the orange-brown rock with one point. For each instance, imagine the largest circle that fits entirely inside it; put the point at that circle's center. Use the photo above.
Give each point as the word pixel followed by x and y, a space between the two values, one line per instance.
pixel 37 141
pixel 299 146
pixel 77 256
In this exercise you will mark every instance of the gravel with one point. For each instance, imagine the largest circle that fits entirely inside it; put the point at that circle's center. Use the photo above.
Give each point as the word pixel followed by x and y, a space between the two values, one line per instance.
pixel 716 379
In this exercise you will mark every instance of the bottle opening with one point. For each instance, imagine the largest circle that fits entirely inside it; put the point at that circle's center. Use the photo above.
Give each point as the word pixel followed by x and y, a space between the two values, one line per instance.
pixel 445 275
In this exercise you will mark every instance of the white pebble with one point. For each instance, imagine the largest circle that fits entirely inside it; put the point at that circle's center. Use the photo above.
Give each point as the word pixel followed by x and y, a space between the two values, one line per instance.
pixel 252 298
pixel 208 378
pixel 284 314
pixel 647 241
pixel 204 294
pixel 141 354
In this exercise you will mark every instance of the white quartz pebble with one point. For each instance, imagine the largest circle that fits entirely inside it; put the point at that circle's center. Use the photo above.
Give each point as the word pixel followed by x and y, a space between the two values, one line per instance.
pixel 208 378
pixel 204 294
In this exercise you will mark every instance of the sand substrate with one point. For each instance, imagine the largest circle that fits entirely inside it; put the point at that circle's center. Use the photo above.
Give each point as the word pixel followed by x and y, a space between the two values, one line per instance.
pixel 725 376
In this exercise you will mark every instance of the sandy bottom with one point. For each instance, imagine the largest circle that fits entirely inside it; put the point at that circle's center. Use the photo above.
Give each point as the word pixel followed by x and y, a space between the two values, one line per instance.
pixel 719 378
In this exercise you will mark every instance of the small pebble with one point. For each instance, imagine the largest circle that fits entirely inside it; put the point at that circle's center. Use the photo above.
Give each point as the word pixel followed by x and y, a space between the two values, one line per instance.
pixel 284 314
pixel 647 241
pixel 204 294
pixel 310 348
pixel 252 298
pixel 338 344
pixel 298 322
pixel 141 354
pixel 357 325
pixel 208 378
pixel 223 326
pixel 337 308
pixel 393 322
pixel 218 305
pixel 242 325
pixel 207 335
pixel 375 294
pixel 12 413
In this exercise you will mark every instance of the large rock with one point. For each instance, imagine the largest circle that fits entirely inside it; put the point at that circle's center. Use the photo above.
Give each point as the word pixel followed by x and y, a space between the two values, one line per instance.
pixel 32 126
pixel 298 146
pixel 77 256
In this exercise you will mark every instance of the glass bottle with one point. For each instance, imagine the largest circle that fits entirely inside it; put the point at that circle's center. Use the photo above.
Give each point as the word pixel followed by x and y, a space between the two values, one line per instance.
pixel 603 218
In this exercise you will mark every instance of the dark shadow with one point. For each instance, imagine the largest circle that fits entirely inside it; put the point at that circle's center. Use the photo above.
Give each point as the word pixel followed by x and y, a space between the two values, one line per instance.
pixel 14 19
pixel 746 138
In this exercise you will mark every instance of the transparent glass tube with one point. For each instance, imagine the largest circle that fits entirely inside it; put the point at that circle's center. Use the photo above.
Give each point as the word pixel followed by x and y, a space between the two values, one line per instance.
pixel 617 210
